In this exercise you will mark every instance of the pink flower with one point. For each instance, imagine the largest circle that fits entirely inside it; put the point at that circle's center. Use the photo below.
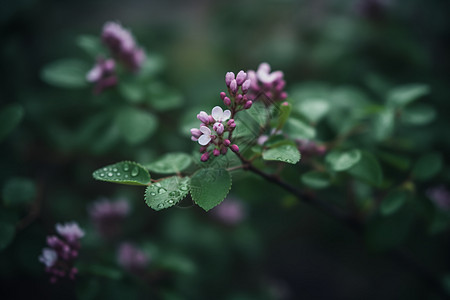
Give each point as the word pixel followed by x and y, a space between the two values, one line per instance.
pixel 131 258
pixel 70 231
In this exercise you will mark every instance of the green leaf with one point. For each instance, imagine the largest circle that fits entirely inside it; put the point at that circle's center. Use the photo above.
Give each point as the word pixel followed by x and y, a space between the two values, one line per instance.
pixel 406 94
pixel 131 91
pixel 316 180
pixel 90 44
pixel 7 231
pixel 398 161
pixel 209 187
pixel 393 202
pixel 136 125
pixel 297 129
pixel 284 113
pixel 384 124
pixel 427 166
pixel 419 114
pixel 167 192
pixel 314 109
pixel 368 169
pixel 10 117
pixel 343 160
pixel 18 191
pixel 125 172
pixel 67 73
pixel 170 163
pixel 287 153
pixel 163 98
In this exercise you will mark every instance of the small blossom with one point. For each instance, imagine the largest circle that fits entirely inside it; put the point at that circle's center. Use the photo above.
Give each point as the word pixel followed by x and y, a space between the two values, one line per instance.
pixel 216 152
pixel 230 212
pixel 440 196
pixel 219 115
pixel 241 77
pixel 248 104
pixel 264 75
pixel 48 257
pixel 102 74
pixel 246 86
pixel 218 127
pixel 132 259
pixel 205 138
pixel 70 231
pixel 205 157
pixel 227 101
pixel 226 142
pixel 196 133
pixel 234 148
pixel 108 216
pixel 203 117
pixel 266 83
pixel 228 78
pixel 233 86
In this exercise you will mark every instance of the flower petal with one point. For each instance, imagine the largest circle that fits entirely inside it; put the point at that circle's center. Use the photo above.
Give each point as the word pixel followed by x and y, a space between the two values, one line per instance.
pixel 217 113
pixel 205 130
pixel 204 139
pixel 226 115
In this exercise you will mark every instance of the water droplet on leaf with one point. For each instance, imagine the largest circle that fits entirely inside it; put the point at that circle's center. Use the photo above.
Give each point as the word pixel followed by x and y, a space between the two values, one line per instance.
pixel 135 172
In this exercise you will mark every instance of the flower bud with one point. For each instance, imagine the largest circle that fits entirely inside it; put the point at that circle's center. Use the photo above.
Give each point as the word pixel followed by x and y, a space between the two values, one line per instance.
pixel 240 77
pixel 222 95
pixel 205 157
pixel 216 152
pixel 219 128
pixel 203 117
pixel 211 119
pixel 283 96
pixel 227 101
pixel 196 132
pixel 224 150
pixel 228 78
pixel 230 121
pixel 226 142
pixel 248 104
pixel 233 86
pixel 239 98
pixel 234 148
pixel 203 149
pixel 246 86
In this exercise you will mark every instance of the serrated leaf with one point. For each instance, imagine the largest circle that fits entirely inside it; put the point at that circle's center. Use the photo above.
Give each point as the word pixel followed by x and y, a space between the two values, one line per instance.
pixel 125 172
pixel 393 202
pixel 167 192
pixel 313 109
pixel 18 191
pixel 136 125
pixel 10 117
pixel 297 129
pixel 170 163
pixel 287 153
pixel 209 187
pixel 316 180
pixel 427 166
pixel 343 160
pixel 66 73
pixel 368 169
pixel 406 94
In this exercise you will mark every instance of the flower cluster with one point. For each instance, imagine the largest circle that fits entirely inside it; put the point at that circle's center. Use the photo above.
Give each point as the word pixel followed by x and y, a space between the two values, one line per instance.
pixel 310 148
pixel 122 45
pixel 229 212
pixel 103 74
pixel 132 259
pixel 108 217
pixel 218 140
pixel 440 196
pixel 123 48
pixel 267 84
pixel 59 258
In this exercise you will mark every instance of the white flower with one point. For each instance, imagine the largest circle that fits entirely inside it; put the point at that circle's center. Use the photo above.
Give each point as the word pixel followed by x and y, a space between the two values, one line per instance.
pixel 205 138
pixel 70 231
pixel 48 257
pixel 264 75
pixel 219 115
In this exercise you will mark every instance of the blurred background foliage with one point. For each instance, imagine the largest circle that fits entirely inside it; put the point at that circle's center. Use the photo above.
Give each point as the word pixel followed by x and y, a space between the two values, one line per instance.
pixel 351 57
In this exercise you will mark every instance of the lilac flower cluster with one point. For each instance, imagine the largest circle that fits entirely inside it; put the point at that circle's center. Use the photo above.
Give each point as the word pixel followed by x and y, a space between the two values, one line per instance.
pixel 218 140
pixel 267 84
pixel 108 217
pixel 440 196
pixel 310 148
pixel 123 48
pixel 229 212
pixel 122 45
pixel 132 259
pixel 59 258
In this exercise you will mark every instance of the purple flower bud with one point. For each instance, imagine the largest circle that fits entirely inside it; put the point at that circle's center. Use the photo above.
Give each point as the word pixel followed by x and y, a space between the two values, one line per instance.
pixel 224 150
pixel 228 78
pixel 283 96
pixel 203 117
pixel 246 86
pixel 203 149
pixel 232 125
pixel 285 103
pixel 230 121
pixel 216 152
pixel 234 148
pixel 280 85
pixel 196 132
pixel 211 119
pixel 226 142
pixel 218 127
pixel 238 98
pixel 233 86
pixel 227 101
pixel 222 95
pixel 248 104
pixel 132 258
pixel 240 77
pixel 205 157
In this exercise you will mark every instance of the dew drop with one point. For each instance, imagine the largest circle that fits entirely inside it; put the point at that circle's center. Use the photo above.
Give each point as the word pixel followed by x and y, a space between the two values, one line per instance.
pixel 158 184
pixel 118 173
pixel 170 201
pixel 126 175
pixel 183 188
pixel 110 174
pixel 161 191
pixel 126 167
pixel 134 172
pixel 102 174
pixel 105 169
pixel 153 194
pixel 160 205
pixel 114 170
